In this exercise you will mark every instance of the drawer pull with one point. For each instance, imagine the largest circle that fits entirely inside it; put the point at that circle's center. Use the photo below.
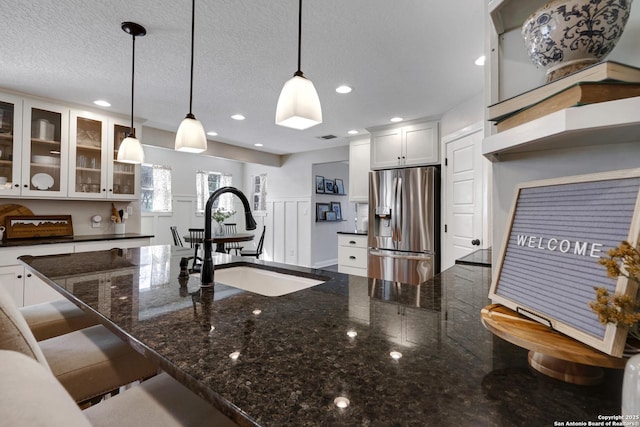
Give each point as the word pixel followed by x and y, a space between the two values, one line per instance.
pixel 352 242
pixel 352 257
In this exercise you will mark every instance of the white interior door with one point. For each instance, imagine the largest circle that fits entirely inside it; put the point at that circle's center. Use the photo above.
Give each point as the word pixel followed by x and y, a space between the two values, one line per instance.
pixel 463 197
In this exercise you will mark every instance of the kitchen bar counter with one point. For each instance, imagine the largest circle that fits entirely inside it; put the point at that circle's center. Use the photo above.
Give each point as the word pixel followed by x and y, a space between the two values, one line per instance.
pixel 73 239
pixel 295 357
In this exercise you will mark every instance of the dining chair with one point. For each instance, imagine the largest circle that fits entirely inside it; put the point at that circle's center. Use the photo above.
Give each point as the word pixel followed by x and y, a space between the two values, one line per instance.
pixel 89 362
pixel 196 239
pixel 230 229
pixel 258 250
pixel 31 396
pixel 177 241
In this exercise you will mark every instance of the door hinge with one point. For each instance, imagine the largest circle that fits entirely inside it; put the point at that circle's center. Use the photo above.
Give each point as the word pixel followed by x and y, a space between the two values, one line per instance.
pixel 446 161
pixel 445 228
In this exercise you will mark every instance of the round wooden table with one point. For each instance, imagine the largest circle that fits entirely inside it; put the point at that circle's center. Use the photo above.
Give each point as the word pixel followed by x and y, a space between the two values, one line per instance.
pixel 550 352
pixel 221 240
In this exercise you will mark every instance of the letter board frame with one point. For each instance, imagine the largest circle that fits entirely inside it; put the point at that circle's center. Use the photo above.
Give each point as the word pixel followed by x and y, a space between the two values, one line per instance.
pixel 548 262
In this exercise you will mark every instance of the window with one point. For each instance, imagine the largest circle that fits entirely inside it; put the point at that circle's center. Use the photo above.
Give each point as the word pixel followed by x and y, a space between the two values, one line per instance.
pixel 207 183
pixel 155 188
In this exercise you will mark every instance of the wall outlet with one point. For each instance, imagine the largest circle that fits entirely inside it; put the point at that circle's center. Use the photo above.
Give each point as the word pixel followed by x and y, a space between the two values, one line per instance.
pixel 130 210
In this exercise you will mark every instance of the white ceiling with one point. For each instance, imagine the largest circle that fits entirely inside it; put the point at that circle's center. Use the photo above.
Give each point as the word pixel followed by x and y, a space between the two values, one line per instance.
pixel 407 58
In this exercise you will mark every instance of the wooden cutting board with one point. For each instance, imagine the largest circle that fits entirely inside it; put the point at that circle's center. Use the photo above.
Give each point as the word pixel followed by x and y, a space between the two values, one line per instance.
pixel 13 210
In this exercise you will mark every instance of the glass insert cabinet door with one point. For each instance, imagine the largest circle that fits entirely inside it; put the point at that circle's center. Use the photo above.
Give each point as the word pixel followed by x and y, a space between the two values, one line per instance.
pixel 45 149
pixel 124 176
pixel 88 155
pixel 10 130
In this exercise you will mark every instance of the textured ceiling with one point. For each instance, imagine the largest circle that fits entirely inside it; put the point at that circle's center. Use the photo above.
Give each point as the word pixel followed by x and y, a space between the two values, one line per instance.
pixel 407 58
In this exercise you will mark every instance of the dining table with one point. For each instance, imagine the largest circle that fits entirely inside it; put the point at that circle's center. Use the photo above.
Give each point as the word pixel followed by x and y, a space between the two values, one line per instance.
pixel 220 240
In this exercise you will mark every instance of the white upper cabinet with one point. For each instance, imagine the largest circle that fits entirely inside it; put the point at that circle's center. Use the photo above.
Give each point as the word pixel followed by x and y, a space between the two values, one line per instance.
pixel 95 173
pixel 359 159
pixel 10 144
pixel 412 144
pixel 48 150
pixel 45 149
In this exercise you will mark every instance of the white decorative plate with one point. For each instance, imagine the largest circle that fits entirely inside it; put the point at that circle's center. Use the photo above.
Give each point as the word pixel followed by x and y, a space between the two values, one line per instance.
pixel 42 181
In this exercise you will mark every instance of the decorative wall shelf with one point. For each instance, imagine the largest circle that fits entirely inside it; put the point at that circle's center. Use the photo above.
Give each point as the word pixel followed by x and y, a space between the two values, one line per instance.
pixel 509 14
pixel 594 124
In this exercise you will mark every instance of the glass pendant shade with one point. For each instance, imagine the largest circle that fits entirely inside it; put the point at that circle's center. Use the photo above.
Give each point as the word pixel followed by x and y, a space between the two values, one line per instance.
pixel 191 137
pixel 298 104
pixel 130 150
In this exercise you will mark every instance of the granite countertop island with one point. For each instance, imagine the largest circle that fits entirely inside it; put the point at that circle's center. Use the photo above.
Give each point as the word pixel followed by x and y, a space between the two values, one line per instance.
pixel 297 353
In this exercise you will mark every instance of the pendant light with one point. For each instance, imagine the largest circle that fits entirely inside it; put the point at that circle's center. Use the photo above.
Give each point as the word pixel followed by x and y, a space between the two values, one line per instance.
pixel 130 150
pixel 190 136
pixel 298 105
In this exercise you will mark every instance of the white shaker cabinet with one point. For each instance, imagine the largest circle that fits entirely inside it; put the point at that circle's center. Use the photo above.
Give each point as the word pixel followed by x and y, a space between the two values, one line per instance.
pixel 411 144
pixel 352 254
pixel 359 159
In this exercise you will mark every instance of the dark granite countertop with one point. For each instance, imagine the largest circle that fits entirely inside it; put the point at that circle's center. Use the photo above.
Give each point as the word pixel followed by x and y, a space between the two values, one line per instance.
pixel 73 239
pixel 355 233
pixel 295 356
pixel 481 257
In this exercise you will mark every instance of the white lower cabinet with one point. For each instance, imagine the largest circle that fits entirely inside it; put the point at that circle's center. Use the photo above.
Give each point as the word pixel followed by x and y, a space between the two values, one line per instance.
pixel 26 288
pixel 352 254
pixel 11 279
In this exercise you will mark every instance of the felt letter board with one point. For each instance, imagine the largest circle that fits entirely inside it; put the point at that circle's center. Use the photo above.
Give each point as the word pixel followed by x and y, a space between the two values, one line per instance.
pixel 548 265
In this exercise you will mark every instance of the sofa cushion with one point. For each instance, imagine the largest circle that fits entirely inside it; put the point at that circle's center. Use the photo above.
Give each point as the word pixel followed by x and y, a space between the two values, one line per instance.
pixel 14 332
pixel 31 396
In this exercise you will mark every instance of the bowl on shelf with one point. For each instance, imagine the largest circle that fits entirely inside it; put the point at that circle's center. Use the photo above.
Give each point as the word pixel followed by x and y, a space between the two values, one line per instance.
pixel 564 36
pixel 45 160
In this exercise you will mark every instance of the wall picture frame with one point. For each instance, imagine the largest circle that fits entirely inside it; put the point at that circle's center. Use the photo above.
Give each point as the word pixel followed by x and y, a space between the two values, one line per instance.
pixel 337 208
pixel 321 210
pixel 328 186
pixel 319 184
pixel 339 186
pixel 330 216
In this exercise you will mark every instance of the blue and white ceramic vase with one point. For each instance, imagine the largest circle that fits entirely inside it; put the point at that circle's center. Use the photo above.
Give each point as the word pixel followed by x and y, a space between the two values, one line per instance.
pixel 564 36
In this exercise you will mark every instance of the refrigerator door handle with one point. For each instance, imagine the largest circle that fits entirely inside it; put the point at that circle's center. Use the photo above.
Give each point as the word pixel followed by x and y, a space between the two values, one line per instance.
pixel 394 213
pixel 398 207
pixel 399 255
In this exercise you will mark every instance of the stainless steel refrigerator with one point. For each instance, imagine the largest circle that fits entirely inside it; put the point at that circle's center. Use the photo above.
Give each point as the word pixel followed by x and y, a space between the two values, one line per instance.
pixel 404 224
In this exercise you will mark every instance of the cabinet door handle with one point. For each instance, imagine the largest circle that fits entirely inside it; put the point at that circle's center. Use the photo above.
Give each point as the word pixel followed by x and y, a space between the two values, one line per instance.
pixel 19 276
pixel 29 275
pixel 16 185
pixel 352 257
pixel 352 242
pixel 26 186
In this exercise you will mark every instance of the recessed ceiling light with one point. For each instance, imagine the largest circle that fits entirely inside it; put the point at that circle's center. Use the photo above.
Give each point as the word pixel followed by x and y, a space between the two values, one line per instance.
pixel 258 144
pixel 212 133
pixel 102 103
pixel 353 132
pixel 396 119
pixel 480 60
pixel 238 117
pixel 343 89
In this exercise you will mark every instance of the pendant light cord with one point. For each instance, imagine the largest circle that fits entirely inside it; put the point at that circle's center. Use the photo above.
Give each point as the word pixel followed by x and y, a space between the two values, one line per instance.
pixel 132 131
pixel 299 72
pixel 193 29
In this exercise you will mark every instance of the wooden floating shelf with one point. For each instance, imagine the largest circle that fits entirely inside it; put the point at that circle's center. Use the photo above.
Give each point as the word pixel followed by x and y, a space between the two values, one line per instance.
pixel 592 124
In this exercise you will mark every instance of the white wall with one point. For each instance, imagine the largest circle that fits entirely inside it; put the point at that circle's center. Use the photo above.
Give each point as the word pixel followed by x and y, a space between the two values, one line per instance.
pixel 183 187
pixel 514 169
pixel 290 213
pixel 324 237
pixel 462 115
